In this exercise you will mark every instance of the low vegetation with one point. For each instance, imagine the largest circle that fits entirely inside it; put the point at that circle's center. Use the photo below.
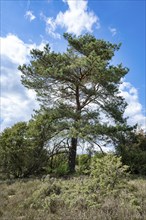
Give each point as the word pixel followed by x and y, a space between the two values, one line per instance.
pixel 107 192
pixel 71 199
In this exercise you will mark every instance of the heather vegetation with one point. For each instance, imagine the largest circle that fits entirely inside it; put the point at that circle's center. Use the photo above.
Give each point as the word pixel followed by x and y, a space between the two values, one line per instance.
pixel 42 175
pixel 73 198
pixel 101 188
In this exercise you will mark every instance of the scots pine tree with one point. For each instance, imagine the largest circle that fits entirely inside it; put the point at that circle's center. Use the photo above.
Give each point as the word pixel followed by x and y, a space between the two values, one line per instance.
pixel 81 88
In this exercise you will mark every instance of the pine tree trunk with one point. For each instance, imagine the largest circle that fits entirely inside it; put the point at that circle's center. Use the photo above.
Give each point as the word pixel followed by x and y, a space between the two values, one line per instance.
pixel 72 155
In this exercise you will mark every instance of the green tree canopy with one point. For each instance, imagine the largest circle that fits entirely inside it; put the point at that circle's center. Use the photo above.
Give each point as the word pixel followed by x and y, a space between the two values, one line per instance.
pixel 22 150
pixel 133 152
pixel 80 87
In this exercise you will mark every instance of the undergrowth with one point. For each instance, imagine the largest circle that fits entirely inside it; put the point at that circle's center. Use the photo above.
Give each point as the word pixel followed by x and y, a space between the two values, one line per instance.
pixel 71 199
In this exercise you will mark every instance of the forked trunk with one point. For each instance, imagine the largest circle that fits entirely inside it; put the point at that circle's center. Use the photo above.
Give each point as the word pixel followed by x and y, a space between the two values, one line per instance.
pixel 72 155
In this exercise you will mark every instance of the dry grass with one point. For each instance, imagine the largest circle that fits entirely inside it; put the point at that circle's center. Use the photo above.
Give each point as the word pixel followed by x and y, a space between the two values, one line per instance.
pixel 71 199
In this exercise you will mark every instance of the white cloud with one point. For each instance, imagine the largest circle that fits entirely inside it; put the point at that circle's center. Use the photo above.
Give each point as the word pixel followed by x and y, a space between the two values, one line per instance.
pixel 134 109
pixel 16 107
pixel 17 102
pixel 51 27
pixel 29 15
pixel 76 19
pixel 15 49
pixel 113 31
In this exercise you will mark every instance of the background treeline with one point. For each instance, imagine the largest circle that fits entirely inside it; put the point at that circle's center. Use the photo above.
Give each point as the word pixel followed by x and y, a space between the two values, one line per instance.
pixel 24 152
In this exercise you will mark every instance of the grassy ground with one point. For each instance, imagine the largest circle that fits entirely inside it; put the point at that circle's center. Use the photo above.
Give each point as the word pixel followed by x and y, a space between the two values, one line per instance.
pixel 71 199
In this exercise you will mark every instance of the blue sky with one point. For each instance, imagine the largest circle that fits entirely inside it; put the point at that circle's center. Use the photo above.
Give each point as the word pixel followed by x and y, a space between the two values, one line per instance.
pixel 30 24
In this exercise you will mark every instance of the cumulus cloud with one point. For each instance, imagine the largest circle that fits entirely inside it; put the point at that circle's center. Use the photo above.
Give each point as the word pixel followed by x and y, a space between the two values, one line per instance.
pixel 16 107
pixel 134 110
pixel 17 103
pixel 76 19
pixel 14 49
pixel 29 15
pixel 113 31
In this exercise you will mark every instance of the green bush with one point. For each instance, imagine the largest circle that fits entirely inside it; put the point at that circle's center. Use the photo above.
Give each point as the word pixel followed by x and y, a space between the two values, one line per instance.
pixel 58 164
pixel 20 156
pixel 134 154
pixel 61 170
pixel 108 172
pixel 83 163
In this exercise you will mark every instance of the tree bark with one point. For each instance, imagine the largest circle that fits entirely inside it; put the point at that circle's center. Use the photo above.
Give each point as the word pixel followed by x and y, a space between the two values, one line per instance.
pixel 72 155
pixel 74 140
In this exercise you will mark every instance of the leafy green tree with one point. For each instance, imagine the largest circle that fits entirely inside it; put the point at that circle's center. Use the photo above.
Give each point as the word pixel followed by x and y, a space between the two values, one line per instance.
pixel 37 135
pixel 13 149
pixel 79 87
pixel 133 152
pixel 21 152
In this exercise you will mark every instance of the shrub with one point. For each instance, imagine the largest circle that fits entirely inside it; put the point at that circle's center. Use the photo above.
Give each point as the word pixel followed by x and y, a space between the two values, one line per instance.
pixel 58 164
pixel 108 172
pixel 20 156
pixel 133 153
pixel 83 162
pixel 61 170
